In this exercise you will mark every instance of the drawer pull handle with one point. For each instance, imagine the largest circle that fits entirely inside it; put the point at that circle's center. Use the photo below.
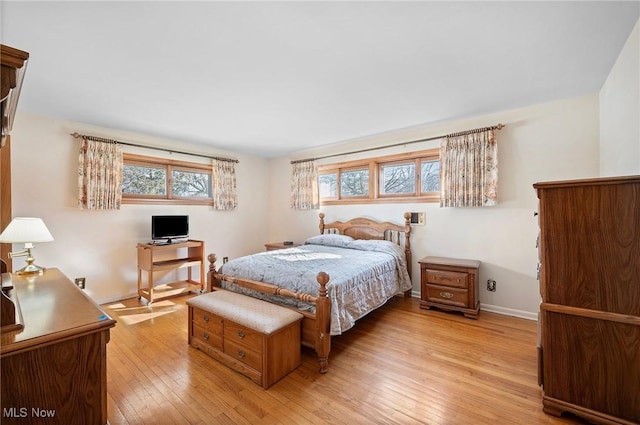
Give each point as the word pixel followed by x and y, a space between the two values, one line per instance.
pixel 205 335
pixel 241 334
pixel 206 318
pixel 241 353
pixel 446 295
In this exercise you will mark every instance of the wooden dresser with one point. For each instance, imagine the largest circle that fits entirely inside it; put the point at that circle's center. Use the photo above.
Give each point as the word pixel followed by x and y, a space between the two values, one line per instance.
pixel 589 352
pixel 450 284
pixel 54 370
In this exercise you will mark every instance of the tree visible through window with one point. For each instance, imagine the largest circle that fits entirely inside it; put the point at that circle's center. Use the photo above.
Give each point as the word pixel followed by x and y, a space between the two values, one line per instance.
pixel 191 184
pixel 411 177
pixel 144 180
pixel 430 176
pixel 355 183
pixel 328 185
pixel 151 180
pixel 400 178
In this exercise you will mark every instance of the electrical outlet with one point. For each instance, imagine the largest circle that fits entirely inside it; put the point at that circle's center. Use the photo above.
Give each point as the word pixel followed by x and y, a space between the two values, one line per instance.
pixel 491 285
pixel 80 281
pixel 224 260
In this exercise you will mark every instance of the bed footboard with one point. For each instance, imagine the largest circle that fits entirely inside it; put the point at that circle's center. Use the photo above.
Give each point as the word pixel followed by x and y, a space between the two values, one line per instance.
pixel 316 327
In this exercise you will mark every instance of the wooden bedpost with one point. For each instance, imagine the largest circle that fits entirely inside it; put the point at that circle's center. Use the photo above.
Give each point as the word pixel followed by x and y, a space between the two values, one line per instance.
pixel 407 247
pixel 321 223
pixel 211 273
pixel 323 321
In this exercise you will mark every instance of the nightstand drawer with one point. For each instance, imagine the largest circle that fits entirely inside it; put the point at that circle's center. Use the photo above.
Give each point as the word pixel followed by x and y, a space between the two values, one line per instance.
pixel 447 278
pixel 447 295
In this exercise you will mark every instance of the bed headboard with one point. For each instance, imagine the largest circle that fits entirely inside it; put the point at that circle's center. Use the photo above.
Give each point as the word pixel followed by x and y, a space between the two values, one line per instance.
pixel 365 228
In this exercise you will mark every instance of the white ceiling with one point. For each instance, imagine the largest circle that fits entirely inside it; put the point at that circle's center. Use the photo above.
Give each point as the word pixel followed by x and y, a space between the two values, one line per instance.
pixel 271 78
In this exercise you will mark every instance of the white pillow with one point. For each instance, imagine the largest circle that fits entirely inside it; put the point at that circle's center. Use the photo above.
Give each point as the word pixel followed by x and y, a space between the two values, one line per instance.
pixel 329 239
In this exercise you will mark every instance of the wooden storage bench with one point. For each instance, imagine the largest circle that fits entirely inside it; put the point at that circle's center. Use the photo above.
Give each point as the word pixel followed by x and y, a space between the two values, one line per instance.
pixel 256 338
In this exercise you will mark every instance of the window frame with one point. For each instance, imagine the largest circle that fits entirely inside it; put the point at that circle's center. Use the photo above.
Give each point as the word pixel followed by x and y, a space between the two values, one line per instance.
pixel 352 169
pixel 374 165
pixel 168 165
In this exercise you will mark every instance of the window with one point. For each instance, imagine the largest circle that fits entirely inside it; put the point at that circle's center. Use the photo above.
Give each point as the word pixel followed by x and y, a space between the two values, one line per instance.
pixel 398 179
pixel 328 185
pixel 156 180
pixel 411 177
pixel 430 176
pixel 354 183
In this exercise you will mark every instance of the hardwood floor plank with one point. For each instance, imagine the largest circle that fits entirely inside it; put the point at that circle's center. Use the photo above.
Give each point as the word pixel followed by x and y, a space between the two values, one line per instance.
pixel 399 365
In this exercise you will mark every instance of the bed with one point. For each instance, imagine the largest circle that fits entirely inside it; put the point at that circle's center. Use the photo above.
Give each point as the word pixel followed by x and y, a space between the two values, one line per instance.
pixel 333 279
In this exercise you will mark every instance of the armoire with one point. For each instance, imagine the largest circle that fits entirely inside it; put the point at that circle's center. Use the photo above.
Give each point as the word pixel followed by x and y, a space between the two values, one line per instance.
pixel 589 324
pixel 13 65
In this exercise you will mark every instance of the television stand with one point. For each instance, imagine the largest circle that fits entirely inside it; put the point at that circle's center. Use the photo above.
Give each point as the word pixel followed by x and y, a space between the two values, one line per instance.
pixel 156 258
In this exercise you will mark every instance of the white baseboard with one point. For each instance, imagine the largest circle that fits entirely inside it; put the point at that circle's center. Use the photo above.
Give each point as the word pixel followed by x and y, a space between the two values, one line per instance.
pixel 499 310
pixel 509 312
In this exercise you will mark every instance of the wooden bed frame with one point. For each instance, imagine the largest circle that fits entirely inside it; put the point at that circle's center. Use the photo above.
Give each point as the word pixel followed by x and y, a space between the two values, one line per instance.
pixel 316 327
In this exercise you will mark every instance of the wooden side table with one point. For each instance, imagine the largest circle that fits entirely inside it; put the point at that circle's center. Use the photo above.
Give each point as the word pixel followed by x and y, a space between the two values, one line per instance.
pixel 278 245
pixel 153 259
pixel 450 284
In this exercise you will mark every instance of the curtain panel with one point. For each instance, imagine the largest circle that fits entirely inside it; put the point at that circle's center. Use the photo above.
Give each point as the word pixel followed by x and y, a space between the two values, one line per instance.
pixel 304 186
pixel 225 193
pixel 469 170
pixel 99 175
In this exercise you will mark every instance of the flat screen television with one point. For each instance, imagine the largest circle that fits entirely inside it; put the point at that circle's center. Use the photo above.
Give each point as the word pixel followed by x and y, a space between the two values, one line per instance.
pixel 169 227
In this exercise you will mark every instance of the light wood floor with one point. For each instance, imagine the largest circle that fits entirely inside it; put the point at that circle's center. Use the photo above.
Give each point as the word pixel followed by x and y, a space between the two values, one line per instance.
pixel 399 365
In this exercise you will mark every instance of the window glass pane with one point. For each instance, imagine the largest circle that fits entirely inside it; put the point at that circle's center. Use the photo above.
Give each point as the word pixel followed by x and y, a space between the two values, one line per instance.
pixel 398 178
pixel 328 185
pixel 144 180
pixel 430 176
pixel 354 183
pixel 191 184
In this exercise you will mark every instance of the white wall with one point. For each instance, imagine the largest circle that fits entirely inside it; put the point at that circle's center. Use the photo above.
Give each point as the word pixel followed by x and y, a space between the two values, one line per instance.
pixel 545 142
pixel 101 245
pixel 620 112
pixel 551 141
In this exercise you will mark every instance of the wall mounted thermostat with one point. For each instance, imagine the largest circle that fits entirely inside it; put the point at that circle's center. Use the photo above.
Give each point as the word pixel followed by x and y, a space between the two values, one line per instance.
pixel 417 218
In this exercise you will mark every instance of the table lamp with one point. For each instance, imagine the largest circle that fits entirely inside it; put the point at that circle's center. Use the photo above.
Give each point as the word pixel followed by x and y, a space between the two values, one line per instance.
pixel 26 230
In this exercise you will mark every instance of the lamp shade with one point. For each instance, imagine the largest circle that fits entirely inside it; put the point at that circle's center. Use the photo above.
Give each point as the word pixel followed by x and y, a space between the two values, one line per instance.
pixel 25 230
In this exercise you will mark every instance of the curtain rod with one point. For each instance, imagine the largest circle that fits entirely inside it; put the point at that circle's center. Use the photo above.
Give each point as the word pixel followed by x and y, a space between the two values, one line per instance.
pixel 104 140
pixel 462 133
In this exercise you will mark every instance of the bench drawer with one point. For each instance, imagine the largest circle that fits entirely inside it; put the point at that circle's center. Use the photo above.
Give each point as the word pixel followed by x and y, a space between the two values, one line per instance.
pixel 246 355
pixel 207 336
pixel 242 335
pixel 207 320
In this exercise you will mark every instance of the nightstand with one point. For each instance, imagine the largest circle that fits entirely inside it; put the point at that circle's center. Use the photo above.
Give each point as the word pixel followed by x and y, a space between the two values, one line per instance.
pixel 279 245
pixel 450 284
